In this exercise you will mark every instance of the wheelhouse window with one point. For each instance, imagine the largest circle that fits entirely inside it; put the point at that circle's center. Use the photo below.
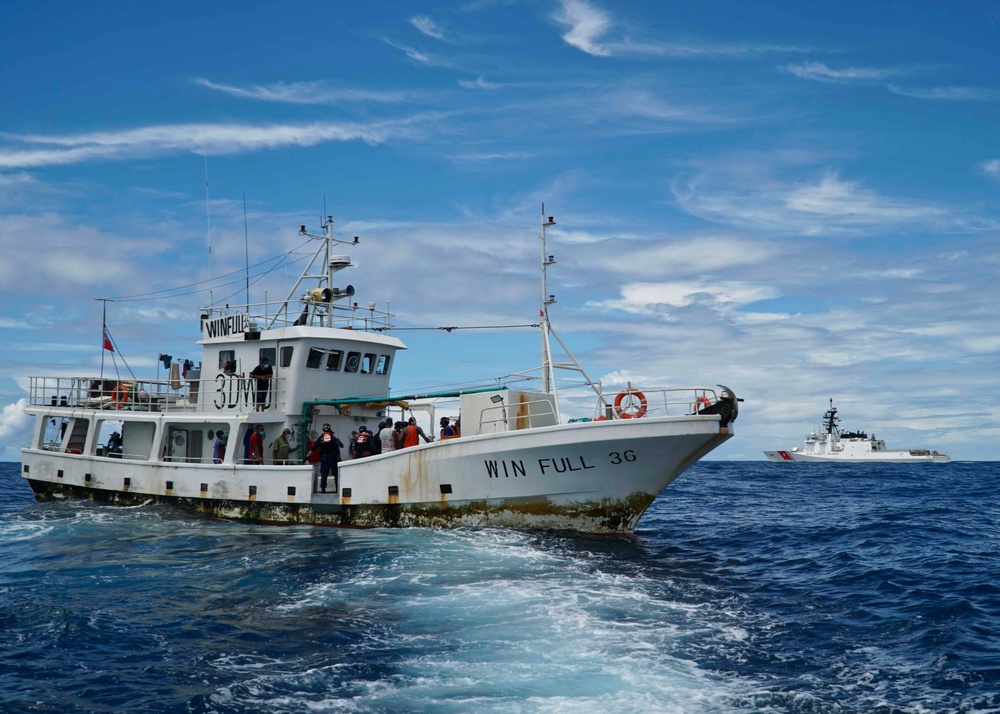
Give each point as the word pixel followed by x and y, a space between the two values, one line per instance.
pixel 286 356
pixel 353 362
pixel 267 352
pixel 368 363
pixel 382 366
pixel 227 360
pixel 331 358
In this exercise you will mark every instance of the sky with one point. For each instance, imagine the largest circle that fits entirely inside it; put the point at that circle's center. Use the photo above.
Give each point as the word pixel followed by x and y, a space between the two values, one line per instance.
pixel 798 200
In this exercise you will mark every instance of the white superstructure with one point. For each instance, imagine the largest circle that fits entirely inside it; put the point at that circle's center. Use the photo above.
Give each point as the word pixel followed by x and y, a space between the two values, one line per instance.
pixel 515 463
pixel 833 445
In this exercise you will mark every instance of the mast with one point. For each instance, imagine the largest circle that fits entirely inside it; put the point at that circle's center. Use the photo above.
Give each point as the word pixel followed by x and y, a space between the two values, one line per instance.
pixel 548 365
pixel 319 301
pixel 830 419
pixel 548 373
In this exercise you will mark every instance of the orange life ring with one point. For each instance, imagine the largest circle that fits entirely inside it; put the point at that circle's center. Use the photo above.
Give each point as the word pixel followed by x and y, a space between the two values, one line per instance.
pixel 635 408
pixel 119 396
pixel 701 403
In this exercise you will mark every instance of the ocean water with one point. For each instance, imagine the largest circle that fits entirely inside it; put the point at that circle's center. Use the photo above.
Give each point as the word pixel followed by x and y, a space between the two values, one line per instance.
pixel 749 587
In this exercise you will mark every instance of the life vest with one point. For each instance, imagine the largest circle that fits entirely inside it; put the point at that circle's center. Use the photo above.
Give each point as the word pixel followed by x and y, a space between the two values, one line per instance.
pixel 120 395
pixel 363 445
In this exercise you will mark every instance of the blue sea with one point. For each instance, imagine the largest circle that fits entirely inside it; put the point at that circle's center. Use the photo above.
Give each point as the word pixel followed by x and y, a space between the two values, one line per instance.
pixel 748 587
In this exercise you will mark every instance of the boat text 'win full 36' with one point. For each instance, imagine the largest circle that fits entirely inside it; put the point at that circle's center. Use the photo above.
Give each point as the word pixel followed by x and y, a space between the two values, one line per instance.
pixel 315 364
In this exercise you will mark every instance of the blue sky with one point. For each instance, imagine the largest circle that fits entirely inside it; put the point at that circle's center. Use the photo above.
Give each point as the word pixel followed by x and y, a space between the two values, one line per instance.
pixel 797 200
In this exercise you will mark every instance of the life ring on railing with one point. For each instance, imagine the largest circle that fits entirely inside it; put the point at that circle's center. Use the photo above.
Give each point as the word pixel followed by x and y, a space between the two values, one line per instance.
pixel 701 403
pixel 635 407
pixel 120 396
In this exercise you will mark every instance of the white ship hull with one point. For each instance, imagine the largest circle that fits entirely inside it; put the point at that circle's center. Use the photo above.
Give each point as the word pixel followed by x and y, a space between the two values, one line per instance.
pixel 307 379
pixel 891 457
pixel 594 477
pixel 833 446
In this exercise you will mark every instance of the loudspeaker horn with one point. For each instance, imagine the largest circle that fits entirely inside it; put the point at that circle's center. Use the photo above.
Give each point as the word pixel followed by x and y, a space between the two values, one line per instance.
pixel 321 295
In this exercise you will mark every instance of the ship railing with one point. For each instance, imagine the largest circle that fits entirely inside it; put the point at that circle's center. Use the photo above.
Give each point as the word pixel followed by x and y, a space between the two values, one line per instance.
pixel 101 452
pixel 514 417
pixel 632 403
pixel 129 457
pixel 129 395
pixel 308 311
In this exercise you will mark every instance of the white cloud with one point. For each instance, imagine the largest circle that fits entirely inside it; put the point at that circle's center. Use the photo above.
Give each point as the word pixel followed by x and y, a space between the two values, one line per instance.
pixel 495 156
pixel 480 83
pixel 850 202
pixel 820 72
pixel 305 93
pixel 16 179
pixel 646 297
pixel 413 54
pixel 657 256
pixel 575 237
pixel 991 168
pixel 76 256
pixel 828 204
pixel 949 94
pixel 427 26
pixel 692 50
pixel 208 139
pixel 586 23
pixel 15 425
pixel 708 254
pixel 646 104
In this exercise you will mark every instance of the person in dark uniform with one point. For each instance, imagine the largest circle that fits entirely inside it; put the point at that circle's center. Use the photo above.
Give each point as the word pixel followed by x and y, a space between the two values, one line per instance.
pixel 364 443
pixel 328 446
pixel 262 373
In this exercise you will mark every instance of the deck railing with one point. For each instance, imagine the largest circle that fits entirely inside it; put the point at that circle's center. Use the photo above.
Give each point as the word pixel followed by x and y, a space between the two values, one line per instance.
pixel 311 312
pixel 520 415
pixel 637 403
pixel 151 395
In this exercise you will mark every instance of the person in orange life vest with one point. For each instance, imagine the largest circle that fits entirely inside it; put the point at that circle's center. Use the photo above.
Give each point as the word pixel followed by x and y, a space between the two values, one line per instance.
pixel 447 431
pixel 257 445
pixel 364 444
pixel 413 433
pixel 328 446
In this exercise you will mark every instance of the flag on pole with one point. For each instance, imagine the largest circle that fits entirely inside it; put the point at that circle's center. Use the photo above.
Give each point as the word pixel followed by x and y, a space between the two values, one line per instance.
pixel 107 341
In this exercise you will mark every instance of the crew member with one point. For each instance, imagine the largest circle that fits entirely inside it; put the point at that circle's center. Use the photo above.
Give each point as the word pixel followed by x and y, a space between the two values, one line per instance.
pixel 412 434
pixel 328 446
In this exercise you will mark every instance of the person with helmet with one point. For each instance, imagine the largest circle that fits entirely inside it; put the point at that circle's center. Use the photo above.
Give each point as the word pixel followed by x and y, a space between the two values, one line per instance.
pixel 364 443
pixel 328 445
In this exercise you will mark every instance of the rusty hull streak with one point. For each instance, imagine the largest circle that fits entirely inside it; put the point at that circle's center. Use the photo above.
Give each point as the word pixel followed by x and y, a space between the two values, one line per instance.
pixel 603 516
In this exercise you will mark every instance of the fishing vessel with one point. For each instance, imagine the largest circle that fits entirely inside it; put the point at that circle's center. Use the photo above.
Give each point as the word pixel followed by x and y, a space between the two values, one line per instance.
pixel 516 460
pixel 833 445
